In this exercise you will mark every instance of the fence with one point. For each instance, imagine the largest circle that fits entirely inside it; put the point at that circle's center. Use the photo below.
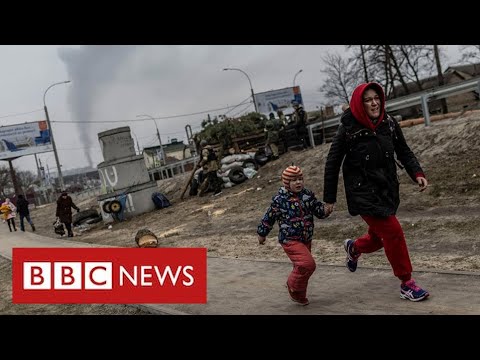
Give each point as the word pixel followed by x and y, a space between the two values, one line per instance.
pixel 170 170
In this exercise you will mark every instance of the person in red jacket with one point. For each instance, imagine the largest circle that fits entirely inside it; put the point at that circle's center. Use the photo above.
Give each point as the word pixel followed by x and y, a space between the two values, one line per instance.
pixel 366 143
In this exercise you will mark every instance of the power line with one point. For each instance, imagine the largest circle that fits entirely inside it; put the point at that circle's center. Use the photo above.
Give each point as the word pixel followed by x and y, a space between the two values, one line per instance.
pixel 245 108
pixel 156 118
pixel 248 98
pixel 18 114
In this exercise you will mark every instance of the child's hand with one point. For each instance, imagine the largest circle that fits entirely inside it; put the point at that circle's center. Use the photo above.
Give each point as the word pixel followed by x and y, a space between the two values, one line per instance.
pixel 328 208
pixel 261 239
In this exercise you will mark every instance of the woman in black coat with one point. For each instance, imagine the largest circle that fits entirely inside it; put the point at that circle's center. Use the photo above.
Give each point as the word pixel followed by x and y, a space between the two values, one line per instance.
pixel 366 142
pixel 64 211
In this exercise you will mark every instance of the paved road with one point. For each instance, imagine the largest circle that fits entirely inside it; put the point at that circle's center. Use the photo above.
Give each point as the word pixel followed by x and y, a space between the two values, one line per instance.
pixel 246 287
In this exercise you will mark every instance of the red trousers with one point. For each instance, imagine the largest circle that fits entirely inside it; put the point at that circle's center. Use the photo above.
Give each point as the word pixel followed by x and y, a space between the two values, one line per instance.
pixel 303 265
pixel 387 233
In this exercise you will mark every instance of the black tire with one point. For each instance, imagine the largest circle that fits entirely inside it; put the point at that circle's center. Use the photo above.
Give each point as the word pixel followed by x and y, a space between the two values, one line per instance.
pixel 106 207
pixel 115 206
pixel 94 220
pixel 251 164
pixel 236 175
pixel 261 159
pixel 85 214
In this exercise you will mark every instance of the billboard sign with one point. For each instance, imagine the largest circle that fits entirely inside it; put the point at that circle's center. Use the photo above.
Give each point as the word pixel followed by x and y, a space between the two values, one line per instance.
pixel 24 139
pixel 274 100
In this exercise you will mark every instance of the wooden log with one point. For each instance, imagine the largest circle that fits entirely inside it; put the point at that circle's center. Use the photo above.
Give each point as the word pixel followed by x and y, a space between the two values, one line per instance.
pixel 146 239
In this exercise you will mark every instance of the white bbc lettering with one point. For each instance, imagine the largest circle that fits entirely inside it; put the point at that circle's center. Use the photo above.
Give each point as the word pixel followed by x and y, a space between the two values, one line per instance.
pixel 124 272
pixel 168 271
pixel 36 275
pixel 67 275
pixel 98 275
pixel 143 273
pixel 190 276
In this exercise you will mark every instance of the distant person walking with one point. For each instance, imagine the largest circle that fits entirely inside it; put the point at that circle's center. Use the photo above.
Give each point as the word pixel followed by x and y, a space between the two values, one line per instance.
pixel 366 143
pixel 8 210
pixel 24 212
pixel 294 207
pixel 64 211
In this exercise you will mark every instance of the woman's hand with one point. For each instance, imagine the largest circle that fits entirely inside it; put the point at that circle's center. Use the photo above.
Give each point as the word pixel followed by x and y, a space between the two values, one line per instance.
pixel 328 208
pixel 422 182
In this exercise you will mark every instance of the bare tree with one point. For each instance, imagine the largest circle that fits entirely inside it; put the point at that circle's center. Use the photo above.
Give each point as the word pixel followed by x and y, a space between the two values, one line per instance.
pixel 26 179
pixel 389 65
pixel 418 62
pixel 4 179
pixel 470 53
pixel 342 77
pixel 363 64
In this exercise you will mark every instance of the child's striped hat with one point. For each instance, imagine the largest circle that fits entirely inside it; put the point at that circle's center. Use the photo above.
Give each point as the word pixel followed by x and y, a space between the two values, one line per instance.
pixel 289 174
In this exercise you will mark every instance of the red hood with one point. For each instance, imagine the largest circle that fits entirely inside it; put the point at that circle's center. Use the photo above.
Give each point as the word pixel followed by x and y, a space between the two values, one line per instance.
pixel 356 104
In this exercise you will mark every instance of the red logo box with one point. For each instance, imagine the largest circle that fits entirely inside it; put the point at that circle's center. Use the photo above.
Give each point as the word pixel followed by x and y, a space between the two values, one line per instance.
pixel 109 276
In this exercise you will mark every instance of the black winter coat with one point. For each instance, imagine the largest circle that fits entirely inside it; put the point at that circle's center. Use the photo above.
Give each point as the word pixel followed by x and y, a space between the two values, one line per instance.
pixel 22 207
pixel 64 209
pixel 369 168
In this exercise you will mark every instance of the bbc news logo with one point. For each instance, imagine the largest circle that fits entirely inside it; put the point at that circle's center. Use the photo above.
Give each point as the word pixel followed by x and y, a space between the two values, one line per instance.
pixel 109 275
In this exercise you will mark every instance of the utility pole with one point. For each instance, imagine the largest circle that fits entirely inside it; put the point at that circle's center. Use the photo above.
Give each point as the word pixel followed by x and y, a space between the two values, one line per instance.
pixel 16 188
pixel 60 177
pixel 441 80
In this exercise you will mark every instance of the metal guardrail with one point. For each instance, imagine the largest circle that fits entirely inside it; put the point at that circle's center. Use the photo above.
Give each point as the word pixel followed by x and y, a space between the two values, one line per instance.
pixel 434 94
pixel 420 98
pixel 170 170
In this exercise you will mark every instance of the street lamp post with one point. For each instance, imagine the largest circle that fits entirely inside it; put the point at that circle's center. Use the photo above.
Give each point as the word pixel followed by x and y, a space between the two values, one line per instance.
pixel 298 72
pixel 251 88
pixel 158 135
pixel 138 145
pixel 60 177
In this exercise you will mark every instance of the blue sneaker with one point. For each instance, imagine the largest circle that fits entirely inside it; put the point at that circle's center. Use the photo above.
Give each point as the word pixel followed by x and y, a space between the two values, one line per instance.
pixel 410 291
pixel 352 258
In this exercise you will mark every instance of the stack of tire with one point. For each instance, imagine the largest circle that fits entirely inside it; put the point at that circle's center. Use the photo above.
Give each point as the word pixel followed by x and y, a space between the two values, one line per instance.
pixel 88 217
pixel 233 166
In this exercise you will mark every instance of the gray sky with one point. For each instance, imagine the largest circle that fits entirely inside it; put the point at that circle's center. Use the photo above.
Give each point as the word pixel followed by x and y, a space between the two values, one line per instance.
pixel 113 83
